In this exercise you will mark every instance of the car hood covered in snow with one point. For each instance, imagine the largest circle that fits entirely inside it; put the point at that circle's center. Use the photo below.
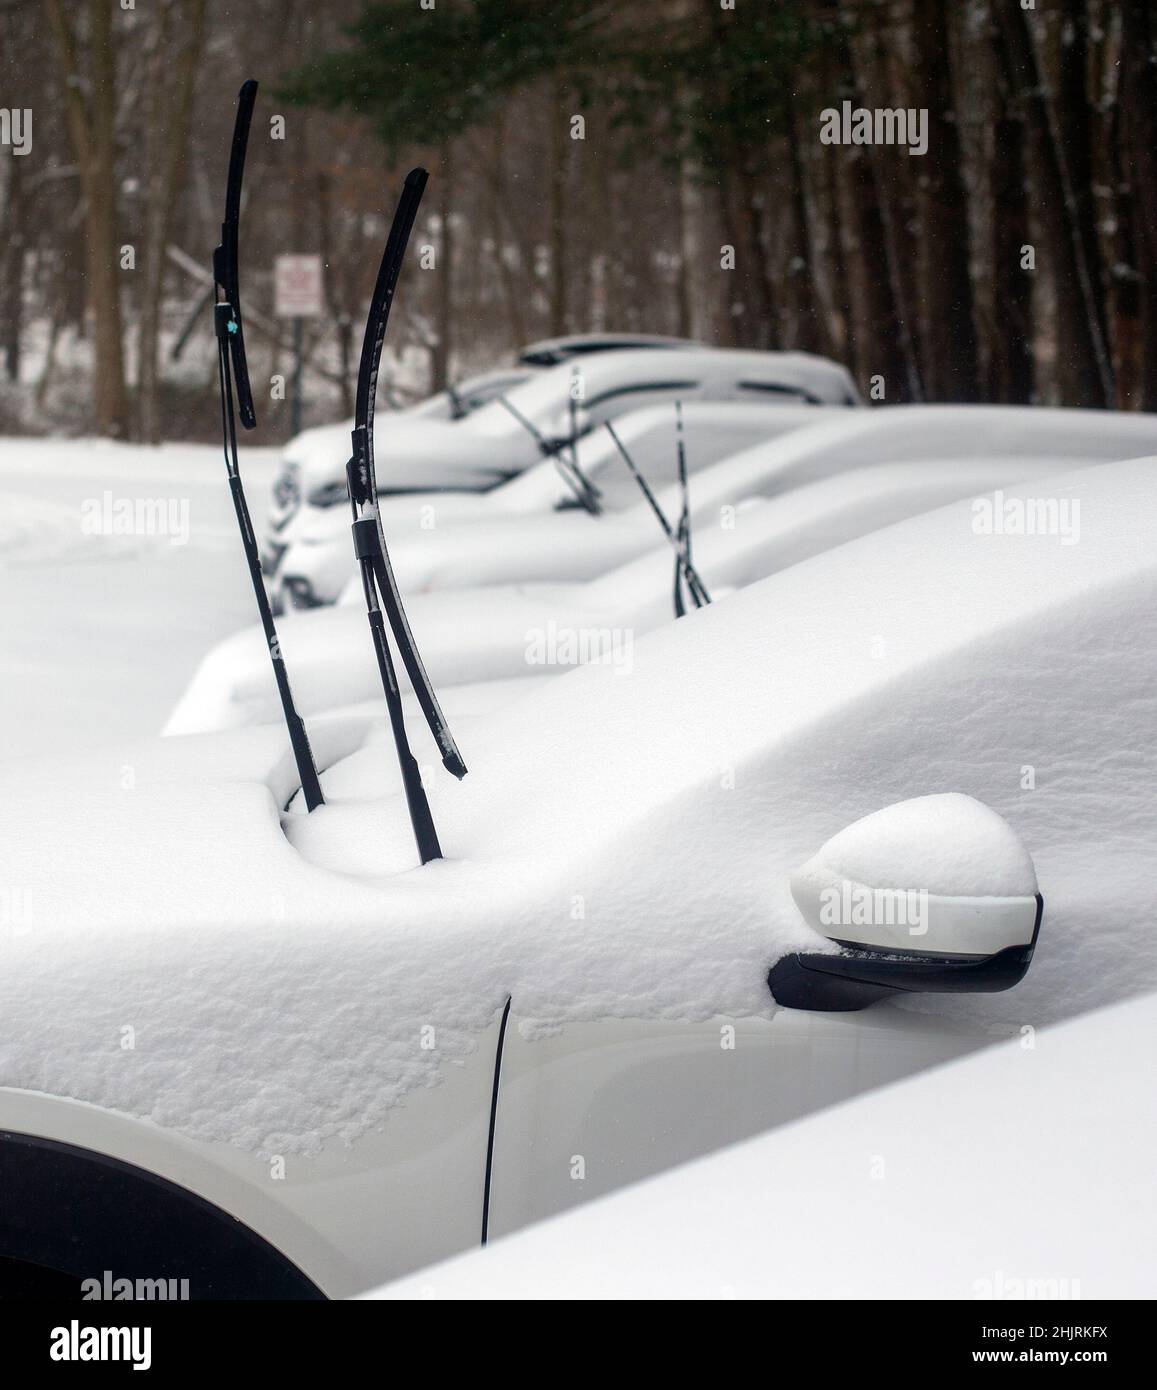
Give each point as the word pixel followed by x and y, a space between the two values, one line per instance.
pixel 277 969
pixel 573 545
pixel 502 632
pixel 411 453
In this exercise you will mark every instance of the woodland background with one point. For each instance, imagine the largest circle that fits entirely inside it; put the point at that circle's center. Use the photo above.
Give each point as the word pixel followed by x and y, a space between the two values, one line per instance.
pixel 702 129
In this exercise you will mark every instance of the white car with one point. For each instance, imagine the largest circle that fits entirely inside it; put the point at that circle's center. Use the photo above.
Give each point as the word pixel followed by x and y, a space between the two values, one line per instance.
pixel 573 545
pixel 505 436
pixel 508 559
pixel 1027 1128
pixel 309 459
pixel 318 560
pixel 503 632
pixel 259 1050
pixel 548 352
pixel 319 447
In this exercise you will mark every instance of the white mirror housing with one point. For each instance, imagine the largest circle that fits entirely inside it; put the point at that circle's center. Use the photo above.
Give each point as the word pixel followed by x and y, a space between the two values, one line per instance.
pixel 933 894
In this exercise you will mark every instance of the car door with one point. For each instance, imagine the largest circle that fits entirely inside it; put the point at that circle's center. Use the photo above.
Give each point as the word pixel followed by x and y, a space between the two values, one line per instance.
pixel 594 1106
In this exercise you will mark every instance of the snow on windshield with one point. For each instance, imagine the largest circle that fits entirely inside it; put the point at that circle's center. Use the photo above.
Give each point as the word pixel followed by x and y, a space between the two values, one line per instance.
pixel 713 431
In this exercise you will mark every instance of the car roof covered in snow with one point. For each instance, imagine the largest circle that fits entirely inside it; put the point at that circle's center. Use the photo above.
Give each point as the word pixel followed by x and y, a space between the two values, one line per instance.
pixel 635 369
pixel 283 965
pixel 550 351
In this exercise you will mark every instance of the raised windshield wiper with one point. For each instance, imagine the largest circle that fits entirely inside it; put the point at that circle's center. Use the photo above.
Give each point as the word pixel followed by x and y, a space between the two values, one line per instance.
pixel 584 491
pixel 231 365
pixel 683 534
pixel 378 580
pixel 680 539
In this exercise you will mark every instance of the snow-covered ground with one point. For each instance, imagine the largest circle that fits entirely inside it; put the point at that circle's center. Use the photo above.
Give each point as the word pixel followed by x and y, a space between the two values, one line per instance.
pixel 121 567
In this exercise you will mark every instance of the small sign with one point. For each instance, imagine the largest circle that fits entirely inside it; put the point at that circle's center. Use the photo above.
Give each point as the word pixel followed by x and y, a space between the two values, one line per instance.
pixel 297 287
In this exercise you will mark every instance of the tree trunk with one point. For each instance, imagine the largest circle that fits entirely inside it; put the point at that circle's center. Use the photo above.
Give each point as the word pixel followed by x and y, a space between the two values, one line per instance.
pixel 12 246
pixel 169 107
pixel 1075 122
pixel 1083 370
pixel 750 296
pixel 1128 328
pixel 837 263
pixel 1010 339
pixel 874 315
pixel 1139 125
pixel 874 327
pixel 805 331
pixel 443 347
pixel 948 330
pixel 91 130
pixel 749 293
pixel 559 149
pixel 335 305
pixel 687 203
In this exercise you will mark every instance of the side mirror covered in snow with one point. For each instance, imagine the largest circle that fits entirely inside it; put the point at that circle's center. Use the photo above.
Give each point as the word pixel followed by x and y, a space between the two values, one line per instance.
pixel 936 894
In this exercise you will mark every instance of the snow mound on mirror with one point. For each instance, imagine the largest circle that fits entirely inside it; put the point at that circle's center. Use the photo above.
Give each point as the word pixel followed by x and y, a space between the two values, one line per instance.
pixel 949 845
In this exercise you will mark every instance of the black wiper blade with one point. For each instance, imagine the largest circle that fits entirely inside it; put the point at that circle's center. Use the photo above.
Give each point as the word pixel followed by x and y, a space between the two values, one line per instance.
pixel 684 531
pixel 584 491
pixel 780 388
pixel 684 569
pixel 363 455
pixel 226 270
pixel 377 574
pixel 230 362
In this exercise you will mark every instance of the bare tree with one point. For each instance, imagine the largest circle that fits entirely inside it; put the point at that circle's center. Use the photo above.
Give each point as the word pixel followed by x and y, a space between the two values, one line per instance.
pixel 1010 356
pixel 1139 119
pixel 444 341
pixel 1083 368
pixel 947 325
pixel 167 106
pixel 88 77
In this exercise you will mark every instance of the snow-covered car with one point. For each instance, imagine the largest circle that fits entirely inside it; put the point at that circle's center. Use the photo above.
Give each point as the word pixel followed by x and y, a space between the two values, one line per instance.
pixel 509 560
pixel 571 544
pixel 503 632
pixel 505 436
pixel 845 1197
pixel 548 352
pixel 262 1051
pixel 318 559
pixel 309 455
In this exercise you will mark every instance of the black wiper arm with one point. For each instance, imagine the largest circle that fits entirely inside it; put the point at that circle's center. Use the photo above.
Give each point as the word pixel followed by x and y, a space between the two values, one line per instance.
pixel 684 531
pixel 230 363
pixel 584 491
pixel 226 271
pixel 377 574
pixel 683 565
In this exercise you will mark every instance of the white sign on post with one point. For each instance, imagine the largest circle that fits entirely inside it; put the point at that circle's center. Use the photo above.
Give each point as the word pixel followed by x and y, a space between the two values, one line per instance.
pixel 297 287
